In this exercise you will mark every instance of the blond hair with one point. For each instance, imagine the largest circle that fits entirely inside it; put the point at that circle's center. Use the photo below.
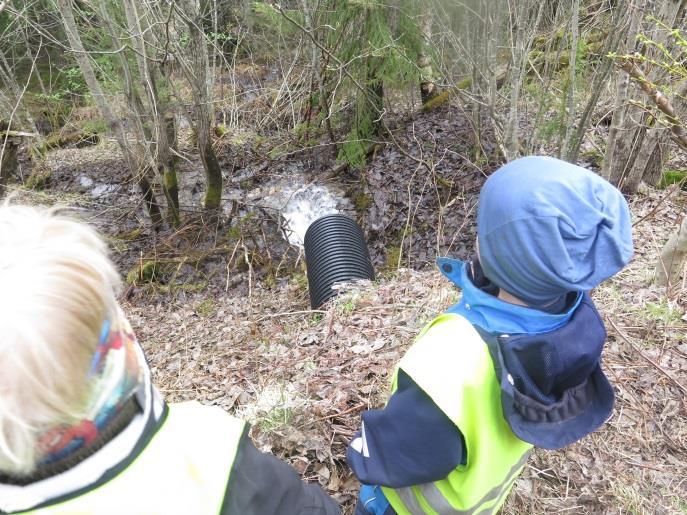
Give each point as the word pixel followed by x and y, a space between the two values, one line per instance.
pixel 57 286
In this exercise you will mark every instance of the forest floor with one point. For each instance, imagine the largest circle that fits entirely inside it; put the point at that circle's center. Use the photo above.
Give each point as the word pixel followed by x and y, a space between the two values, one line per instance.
pixel 245 338
pixel 304 377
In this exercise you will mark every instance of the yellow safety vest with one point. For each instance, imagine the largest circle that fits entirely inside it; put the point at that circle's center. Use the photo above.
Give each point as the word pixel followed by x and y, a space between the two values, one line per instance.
pixel 452 364
pixel 184 469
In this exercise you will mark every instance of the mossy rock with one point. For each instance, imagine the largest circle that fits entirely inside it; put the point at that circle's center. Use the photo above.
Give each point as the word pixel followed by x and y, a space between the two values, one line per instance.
pixel 98 126
pixel 220 130
pixel 671 177
pixel 593 156
pixel 442 98
pixel 206 308
pixel 148 272
pixel 39 179
pixel 361 200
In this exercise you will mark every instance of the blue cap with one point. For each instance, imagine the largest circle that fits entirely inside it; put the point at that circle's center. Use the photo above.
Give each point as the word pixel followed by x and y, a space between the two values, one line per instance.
pixel 547 227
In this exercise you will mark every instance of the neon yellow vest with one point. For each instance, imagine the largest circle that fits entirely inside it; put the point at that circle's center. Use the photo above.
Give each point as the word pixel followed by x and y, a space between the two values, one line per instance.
pixel 452 364
pixel 184 469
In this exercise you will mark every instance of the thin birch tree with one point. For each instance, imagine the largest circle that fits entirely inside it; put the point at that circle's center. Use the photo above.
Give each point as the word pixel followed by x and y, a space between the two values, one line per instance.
pixel 133 159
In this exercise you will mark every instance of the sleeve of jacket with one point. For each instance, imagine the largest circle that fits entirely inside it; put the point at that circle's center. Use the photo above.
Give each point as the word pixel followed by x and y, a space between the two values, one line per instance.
pixel 409 442
pixel 261 484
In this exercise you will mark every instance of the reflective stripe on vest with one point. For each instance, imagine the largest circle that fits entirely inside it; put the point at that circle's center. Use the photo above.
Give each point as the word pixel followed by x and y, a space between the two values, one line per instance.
pixel 452 364
pixel 440 504
pixel 184 469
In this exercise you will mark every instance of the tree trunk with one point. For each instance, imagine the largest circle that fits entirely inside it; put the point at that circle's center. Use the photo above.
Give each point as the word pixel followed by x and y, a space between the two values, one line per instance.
pixel 113 122
pixel 619 141
pixel 634 150
pixel 428 89
pixel 673 256
pixel 162 156
pixel 572 69
pixel 9 148
pixel 196 72
pixel 375 93
pixel 523 32
pixel 618 22
pixel 647 159
pixel 171 184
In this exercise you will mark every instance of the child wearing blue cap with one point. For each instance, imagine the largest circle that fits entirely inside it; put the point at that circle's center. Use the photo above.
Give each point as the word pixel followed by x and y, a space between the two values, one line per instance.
pixel 516 363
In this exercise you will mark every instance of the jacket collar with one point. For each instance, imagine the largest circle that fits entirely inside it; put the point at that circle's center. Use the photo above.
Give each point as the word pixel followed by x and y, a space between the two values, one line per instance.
pixel 493 314
pixel 99 467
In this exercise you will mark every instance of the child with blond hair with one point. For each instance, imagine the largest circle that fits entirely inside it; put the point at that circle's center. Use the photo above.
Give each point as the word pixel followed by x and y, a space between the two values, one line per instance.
pixel 82 428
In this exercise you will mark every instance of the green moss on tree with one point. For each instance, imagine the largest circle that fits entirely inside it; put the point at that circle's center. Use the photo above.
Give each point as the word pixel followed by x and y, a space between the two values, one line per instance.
pixel 39 178
pixel 213 197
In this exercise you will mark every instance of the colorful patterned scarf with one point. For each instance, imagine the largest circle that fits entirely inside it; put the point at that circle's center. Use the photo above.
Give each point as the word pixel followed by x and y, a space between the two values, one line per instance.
pixel 116 372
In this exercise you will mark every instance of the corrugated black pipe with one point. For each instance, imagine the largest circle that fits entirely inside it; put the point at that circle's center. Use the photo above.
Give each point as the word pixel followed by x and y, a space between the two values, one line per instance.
pixel 335 251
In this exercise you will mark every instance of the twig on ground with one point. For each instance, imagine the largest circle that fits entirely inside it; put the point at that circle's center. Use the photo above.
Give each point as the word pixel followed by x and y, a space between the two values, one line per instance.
pixel 288 313
pixel 333 415
pixel 656 365
pixel 676 187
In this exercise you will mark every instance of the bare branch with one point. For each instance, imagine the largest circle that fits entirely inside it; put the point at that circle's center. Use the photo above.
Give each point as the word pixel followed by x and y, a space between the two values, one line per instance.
pixel 662 102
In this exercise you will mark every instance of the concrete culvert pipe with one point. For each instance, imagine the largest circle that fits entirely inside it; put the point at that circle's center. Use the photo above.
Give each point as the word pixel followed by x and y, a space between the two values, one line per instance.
pixel 335 251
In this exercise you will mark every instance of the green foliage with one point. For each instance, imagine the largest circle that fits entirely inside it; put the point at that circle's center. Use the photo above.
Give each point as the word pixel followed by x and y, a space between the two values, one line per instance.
pixel 381 55
pixel 664 312
pixel 377 44
pixel 68 84
pixel 129 235
pixel 667 61
pixel 98 126
pixel 221 38
pixel 354 149
pixel 74 83
pixel 265 15
pixel 300 281
pixel 276 418
pixel 184 40
pixel 393 254
pixel 671 177
pixel 206 308
pixel 220 130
